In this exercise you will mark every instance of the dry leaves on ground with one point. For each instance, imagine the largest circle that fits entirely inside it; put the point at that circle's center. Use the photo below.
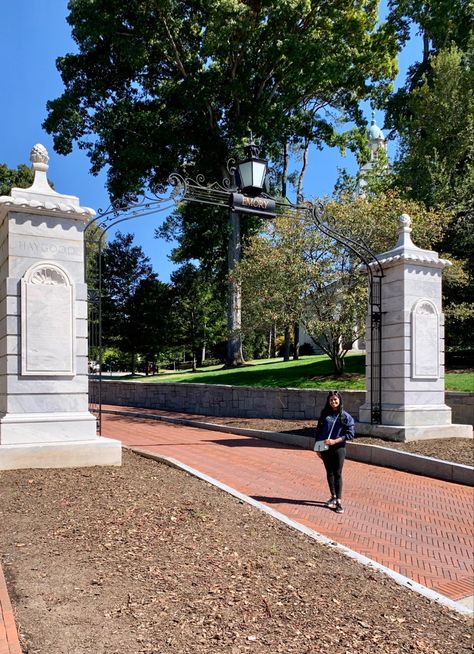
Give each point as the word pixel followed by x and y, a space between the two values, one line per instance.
pixel 145 559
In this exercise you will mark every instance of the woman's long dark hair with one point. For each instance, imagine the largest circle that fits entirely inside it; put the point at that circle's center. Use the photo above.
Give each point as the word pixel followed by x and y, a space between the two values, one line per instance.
pixel 327 409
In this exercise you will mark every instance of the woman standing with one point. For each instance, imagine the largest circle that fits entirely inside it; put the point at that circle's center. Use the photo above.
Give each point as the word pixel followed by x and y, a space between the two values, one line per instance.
pixel 335 427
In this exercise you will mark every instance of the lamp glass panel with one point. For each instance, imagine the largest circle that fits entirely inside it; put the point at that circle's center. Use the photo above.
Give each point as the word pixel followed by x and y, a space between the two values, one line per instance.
pixel 259 169
pixel 245 170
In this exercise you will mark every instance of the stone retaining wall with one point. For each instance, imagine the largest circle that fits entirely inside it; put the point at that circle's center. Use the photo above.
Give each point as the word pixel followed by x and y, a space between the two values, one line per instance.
pixel 246 402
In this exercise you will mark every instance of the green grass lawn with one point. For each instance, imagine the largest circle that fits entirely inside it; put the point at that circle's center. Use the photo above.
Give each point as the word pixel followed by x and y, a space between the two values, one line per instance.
pixel 307 372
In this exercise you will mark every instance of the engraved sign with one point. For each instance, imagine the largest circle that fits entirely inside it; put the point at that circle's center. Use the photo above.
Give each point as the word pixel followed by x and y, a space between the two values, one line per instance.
pixel 258 205
pixel 45 248
pixel 425 341
pixel 47 322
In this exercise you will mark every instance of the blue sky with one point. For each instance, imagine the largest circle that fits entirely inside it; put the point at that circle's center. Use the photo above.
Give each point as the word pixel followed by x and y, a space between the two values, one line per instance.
pixel 33 33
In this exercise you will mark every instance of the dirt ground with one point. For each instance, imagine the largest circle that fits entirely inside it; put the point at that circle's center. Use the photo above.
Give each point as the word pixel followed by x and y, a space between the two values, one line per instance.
pixel 146 559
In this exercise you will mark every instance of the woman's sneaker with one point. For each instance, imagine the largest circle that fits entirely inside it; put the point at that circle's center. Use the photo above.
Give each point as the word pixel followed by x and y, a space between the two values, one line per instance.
pixel 331 504
pixel 338 507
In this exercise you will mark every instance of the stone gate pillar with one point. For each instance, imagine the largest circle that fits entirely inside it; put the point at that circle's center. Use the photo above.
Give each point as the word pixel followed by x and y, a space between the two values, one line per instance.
pixel 412 343
pixel 44 416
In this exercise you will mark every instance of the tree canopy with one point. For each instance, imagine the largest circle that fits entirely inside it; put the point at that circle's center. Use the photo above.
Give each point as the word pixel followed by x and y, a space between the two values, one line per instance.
pixel 167 85
pixel 21 177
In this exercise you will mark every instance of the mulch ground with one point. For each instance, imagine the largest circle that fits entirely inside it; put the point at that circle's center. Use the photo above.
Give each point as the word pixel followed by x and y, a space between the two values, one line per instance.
pixel 146 559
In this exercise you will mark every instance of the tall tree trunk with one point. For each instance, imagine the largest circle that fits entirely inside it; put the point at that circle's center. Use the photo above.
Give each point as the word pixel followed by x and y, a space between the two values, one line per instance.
pixel 286 344
pixel 234 336
pixel 296 340
pixel 273 341
pixel 284 173
pixel 299 190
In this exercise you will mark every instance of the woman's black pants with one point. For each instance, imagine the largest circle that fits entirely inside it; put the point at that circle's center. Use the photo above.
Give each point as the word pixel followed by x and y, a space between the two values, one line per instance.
pixel 333 460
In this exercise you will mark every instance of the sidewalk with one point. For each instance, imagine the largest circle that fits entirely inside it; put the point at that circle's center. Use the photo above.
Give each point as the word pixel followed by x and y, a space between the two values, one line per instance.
pixel 419 527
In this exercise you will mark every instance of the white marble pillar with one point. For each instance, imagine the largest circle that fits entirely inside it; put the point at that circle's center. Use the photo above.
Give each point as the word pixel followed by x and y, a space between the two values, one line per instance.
pixel 413 393
pixel 44 416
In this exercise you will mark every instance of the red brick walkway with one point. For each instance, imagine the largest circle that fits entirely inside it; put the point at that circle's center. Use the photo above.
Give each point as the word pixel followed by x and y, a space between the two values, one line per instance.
pixel 9 643
pixel 419 527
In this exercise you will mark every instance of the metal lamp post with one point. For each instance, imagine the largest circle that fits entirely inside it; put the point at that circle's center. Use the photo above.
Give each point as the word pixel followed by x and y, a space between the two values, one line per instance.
pixel 250 180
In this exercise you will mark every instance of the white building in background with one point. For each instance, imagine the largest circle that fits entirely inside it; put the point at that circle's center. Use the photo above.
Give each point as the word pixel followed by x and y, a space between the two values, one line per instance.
pixel 377 145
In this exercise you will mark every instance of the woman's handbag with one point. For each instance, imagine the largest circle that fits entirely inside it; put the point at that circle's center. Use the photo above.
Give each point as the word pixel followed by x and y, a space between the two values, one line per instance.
pixel 320 446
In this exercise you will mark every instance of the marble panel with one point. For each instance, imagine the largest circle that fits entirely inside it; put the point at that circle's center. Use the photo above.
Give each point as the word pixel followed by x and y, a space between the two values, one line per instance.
pixel 395 344
pixel 81 291
pixel 18 266
pixel 9 286
pixel 425 341
pixel 37 385
pixel 47 325
pixel 396 357
pixel 47 403
pixel 36 248
pixel 10 305
pixel 402 329
pixel 45 226
pixel 398 383
pixel 82 365
pixel 82 347
pixel 9 326
pixel 81 329
pixel 81 310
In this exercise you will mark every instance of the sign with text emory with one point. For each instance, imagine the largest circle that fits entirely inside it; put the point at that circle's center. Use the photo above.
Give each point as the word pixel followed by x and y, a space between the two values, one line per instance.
pixel 259 205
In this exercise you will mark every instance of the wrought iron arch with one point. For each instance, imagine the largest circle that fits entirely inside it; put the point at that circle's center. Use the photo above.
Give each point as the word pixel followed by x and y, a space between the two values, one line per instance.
pixel 185 189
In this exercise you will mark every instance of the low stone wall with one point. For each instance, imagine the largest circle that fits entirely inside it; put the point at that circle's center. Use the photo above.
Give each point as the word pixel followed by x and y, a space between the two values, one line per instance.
pixel 246 402
pixel 462 406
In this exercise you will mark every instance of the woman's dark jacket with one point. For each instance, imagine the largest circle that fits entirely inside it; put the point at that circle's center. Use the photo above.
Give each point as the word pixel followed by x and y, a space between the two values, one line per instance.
pixel 343 428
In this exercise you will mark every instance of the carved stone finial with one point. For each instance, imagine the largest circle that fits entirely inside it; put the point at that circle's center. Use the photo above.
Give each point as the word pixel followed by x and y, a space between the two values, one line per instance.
pixel 405 220
pixel 404 231
pixel 39 155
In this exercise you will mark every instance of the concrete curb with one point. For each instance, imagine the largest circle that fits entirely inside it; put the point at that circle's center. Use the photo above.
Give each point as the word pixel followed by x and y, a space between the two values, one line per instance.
pixel 361 452
pixel 320 538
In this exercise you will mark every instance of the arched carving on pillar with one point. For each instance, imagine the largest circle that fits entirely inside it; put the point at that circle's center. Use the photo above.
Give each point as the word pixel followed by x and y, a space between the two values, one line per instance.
pixel 47 321
pixel 424 340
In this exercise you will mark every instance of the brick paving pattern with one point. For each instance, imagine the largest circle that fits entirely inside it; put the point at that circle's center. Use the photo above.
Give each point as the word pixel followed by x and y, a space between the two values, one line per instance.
pixel 9 643
pixel 419 527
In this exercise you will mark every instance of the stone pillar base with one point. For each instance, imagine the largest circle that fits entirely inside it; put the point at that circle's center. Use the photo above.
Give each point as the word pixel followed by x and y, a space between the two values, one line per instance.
pixel 405 415
pixel 403 434
pixel 77 454
pixel 33 428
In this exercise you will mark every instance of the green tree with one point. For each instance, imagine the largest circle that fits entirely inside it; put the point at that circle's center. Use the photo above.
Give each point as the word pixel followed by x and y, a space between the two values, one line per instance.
pixel 436 160
pixel 124 269
pixel 196 314
pixel 441 24
pixel 436 166
pixel 294 272
pixel 273 276
pixel 167 85
pixel 148 330
pixel 21 177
